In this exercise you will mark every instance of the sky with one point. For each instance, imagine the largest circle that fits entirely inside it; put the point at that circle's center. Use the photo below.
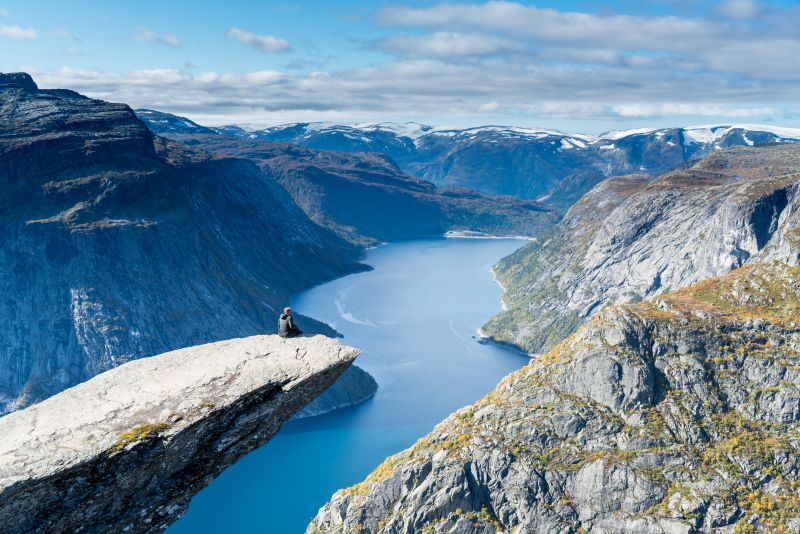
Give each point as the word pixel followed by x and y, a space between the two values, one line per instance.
pixel 578 66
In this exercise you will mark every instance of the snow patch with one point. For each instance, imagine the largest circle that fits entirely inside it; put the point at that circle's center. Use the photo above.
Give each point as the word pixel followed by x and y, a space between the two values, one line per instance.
pixel 614 135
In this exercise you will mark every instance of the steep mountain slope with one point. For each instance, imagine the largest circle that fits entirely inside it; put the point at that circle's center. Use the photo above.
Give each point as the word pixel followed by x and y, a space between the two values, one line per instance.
pixel 365 198
pixel 118 245
pixel 530 163
pixel 679 414
pixel 629 238
pixel 509 161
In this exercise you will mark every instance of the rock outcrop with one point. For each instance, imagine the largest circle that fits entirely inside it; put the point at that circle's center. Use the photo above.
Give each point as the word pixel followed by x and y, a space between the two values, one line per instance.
pixel 353 387
pixel 117 244
pixel 632 237
pixel 126 450
pixel 679 414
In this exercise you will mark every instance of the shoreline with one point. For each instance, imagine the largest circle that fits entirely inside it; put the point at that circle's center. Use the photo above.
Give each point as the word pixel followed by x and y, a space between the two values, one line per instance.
pixel 467 234
pixel 486 339
pixel 503 305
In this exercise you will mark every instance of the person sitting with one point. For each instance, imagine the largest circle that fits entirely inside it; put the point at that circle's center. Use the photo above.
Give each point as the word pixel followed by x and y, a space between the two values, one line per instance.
pixel 286 326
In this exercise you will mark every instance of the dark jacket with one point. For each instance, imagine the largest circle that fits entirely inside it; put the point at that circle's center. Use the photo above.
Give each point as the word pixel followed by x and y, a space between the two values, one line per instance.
pixel 286 326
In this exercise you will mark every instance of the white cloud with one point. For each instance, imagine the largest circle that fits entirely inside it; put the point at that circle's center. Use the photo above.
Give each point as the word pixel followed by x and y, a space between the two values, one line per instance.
pixel 166 39
pixel 687 110
pixel 446 45
pixel 740 9
pixel 668 42
pixel 609 31
pixel 267 44
pixel 406 90
pixel 15 32
pixel 489 107
pixel 461 60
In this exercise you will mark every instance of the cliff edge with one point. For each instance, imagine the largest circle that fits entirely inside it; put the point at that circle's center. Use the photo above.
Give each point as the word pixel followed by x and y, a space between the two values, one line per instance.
pixel 126 450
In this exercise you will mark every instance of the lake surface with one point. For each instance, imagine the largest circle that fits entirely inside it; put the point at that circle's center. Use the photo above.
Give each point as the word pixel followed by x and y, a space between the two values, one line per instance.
pixel 415 318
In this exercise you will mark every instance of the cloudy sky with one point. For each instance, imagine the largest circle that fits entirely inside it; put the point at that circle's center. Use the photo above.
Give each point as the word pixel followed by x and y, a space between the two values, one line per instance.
pixel 580 66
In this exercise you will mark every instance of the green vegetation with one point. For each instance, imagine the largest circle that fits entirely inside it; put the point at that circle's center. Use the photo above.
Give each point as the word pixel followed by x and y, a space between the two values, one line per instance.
pixel 139 433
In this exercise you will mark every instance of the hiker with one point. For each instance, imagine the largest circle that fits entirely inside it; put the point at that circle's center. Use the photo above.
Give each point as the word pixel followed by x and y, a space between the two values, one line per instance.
pixel 286 326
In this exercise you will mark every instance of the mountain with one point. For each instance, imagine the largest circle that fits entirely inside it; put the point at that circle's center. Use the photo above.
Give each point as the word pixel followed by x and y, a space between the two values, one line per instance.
pixel 164 123
pixel 126 450
pixel 365 198
pixel 632 237
pixel 678 414
pixel 118 244
pixel 548 165
pixel 394 140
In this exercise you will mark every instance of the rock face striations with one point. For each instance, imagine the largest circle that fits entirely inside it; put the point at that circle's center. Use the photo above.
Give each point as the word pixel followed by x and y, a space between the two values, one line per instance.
pixel 679 414
pixel 117 244
pixel 365 198
pixel 631 237
pixel 126 450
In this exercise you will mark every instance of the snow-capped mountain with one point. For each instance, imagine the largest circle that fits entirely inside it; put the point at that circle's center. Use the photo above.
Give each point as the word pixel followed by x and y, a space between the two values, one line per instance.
pixel 543 164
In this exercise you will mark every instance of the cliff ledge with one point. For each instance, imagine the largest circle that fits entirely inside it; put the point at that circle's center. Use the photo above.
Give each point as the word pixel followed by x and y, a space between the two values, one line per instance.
pixel 128 449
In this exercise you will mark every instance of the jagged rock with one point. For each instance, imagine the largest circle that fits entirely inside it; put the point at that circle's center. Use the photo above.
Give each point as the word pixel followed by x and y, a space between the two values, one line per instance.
pixel 674 415
pixel 630 238
pixel 126 450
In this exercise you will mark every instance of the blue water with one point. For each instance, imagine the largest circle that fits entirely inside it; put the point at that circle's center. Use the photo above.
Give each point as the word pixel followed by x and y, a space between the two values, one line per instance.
pixel 414 317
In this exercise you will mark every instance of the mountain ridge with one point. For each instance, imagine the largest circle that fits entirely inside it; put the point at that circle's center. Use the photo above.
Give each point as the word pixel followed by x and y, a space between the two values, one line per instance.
pixel 678 414
pixel 620 241
pixel 542 164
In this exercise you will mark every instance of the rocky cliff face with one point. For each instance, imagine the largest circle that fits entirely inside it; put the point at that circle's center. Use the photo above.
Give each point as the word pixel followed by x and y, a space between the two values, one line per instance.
pixel 353 387
pixel 676 415
pixel 126 450
pixel 117 244
pixel 555 167
pixel 631 237
pixel 365 198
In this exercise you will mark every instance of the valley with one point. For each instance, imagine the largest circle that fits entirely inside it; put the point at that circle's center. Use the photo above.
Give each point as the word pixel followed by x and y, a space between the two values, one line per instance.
pixel 414 318
pixel 656 289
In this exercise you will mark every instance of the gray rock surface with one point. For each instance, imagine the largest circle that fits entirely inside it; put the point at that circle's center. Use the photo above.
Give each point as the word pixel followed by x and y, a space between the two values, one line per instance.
pixel 680 414
pixel 126 450
pixel 632 237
